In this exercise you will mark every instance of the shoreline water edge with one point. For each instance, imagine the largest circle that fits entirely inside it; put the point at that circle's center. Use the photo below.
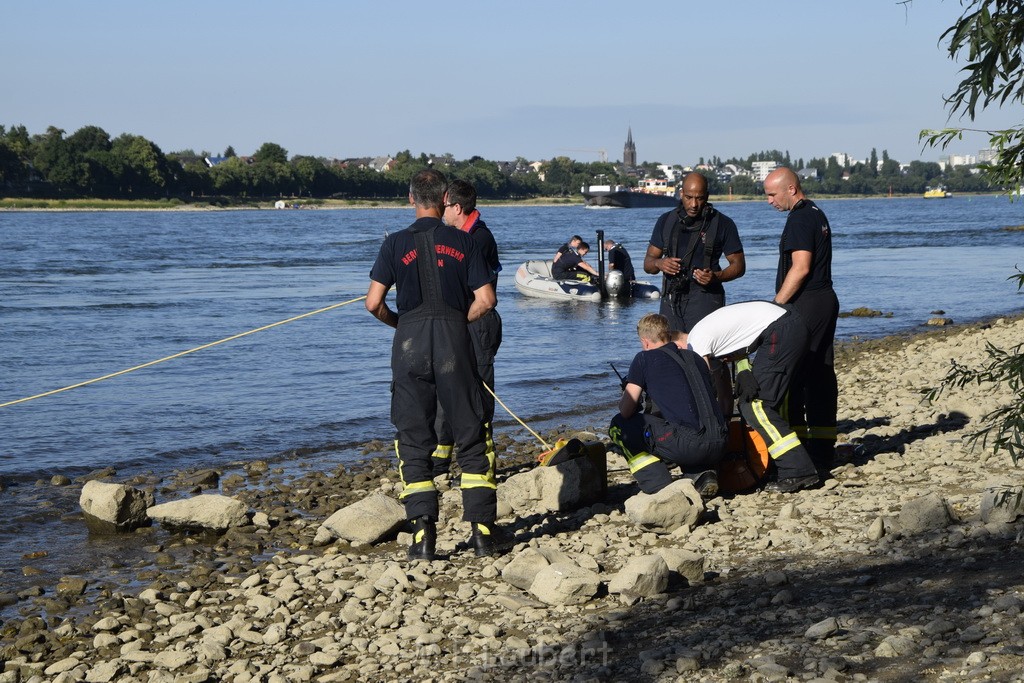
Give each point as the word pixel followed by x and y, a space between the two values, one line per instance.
pixel 903 565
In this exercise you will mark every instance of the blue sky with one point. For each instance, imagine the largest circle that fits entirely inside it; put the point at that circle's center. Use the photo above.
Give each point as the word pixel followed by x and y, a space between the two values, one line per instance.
pixel 499 80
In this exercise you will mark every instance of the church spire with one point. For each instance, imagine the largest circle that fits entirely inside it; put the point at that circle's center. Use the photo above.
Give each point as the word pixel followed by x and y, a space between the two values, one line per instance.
pixel 629 151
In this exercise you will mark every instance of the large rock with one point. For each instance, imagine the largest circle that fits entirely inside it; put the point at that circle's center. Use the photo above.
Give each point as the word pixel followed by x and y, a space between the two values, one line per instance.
pixel 926 513
pixel 645 576
pixel 565 486
pixel 114 507
pixel 367 521
pixel 565 583
pixel 677 505
pixel 1002 504
pixel 524 567
pixel 688 564
pixel 208 511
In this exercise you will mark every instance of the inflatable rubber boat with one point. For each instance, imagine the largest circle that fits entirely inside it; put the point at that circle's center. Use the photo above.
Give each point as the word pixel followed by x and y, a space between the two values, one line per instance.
pixel 533 278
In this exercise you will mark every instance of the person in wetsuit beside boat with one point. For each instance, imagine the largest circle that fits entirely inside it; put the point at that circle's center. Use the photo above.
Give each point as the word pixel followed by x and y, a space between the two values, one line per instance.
pixel 618 259
pixel 690 430
pixel 460 212
pixel 443 283
pixel 571 266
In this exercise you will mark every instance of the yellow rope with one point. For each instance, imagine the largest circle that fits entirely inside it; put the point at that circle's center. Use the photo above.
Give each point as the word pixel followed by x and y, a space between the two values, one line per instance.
pixel 185 353
pixel 543 442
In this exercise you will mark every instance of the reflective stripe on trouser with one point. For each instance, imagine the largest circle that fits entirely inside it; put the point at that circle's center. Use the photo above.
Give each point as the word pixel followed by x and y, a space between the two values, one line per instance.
pixel 443 451
pixel 419 497
pixel 784 447
pixel 650 472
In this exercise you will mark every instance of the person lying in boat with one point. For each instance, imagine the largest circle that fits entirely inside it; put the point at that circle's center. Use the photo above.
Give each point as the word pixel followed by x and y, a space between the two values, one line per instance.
pixel 571 266
pixel 573 242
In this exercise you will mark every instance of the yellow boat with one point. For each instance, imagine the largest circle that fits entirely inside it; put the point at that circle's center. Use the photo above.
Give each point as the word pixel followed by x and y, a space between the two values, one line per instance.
pixel 936 193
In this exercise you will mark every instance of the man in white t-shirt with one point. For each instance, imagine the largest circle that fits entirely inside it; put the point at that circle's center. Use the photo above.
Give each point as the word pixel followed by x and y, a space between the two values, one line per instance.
pixel 779 337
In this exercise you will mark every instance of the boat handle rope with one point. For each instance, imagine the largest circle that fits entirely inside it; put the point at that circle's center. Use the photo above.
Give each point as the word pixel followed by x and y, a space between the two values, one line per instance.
pixel 183 353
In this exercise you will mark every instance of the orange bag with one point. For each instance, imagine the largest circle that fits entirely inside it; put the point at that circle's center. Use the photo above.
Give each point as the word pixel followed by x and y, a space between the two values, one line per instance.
pixel 745 462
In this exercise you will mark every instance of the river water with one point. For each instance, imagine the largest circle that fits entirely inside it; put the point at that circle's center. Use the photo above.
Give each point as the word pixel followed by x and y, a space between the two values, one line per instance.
pixel 84 294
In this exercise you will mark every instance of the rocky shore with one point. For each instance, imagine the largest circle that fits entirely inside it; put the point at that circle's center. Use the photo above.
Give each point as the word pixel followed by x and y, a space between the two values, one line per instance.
pixel 903 565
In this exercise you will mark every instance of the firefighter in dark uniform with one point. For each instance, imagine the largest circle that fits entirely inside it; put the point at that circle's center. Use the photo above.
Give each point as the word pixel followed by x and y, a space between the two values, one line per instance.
pixel 779 337
pixel 690 430
pixel 804 279
pixel 432 361
pixel 460 212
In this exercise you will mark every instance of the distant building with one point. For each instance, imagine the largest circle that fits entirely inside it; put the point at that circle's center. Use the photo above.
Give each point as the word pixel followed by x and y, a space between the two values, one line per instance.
pixel 842 158
pixel 955 160
pixel 808 173
pixel 761 169
pixel 733 170
pixel 986 156
pixel 629 151
pixel 669 172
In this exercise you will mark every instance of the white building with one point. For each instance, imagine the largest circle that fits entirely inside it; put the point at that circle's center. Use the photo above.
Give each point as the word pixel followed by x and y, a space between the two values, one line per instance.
pixel 842 158
pixel 761 169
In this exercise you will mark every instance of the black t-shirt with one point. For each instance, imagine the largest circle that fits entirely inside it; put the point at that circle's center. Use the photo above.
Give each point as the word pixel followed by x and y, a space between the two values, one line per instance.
pixel 662 378
pixel 727 241
pixel 461 265
pixel 567 263
pixel 807 229
pixel 488 247
pixel 618 259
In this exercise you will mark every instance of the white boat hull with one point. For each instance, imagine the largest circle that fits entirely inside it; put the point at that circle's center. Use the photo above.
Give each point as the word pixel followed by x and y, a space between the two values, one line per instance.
pixel 533 278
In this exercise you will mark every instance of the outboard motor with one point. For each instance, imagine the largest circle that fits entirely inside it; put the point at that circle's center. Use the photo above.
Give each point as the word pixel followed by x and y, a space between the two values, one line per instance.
pixel 615 283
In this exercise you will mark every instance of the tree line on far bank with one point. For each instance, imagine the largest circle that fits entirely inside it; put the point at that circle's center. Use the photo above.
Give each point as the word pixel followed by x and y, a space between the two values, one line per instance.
pixel 90 164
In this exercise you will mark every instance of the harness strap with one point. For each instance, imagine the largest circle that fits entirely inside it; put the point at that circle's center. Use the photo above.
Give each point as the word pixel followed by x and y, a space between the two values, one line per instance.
pixel 705 407
pixel 432 304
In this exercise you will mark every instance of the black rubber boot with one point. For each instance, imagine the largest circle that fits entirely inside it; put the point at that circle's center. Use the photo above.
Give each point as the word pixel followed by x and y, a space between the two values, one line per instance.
pixel 488 539
pixel 424 539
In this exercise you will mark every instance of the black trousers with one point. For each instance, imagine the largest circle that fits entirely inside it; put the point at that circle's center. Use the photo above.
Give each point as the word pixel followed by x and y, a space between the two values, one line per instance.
pixel 485 334
pixel 432 363
pixel 814 394
pixel 648 442
pixel 783 347
pixel 686 310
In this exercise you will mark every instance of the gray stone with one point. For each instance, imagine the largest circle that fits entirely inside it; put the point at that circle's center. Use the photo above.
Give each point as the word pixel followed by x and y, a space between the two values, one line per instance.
pixel 895 646
pixel 877 529
pixel 524 567
pixel 207 511
pixel 675 506
pixel 565 486
pixel 688 564
pixel 645 576
pixel 822 629
pixel 369 520
pixel 114 507
pixel 1002 504
pixel 565 583
pixel 926 513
